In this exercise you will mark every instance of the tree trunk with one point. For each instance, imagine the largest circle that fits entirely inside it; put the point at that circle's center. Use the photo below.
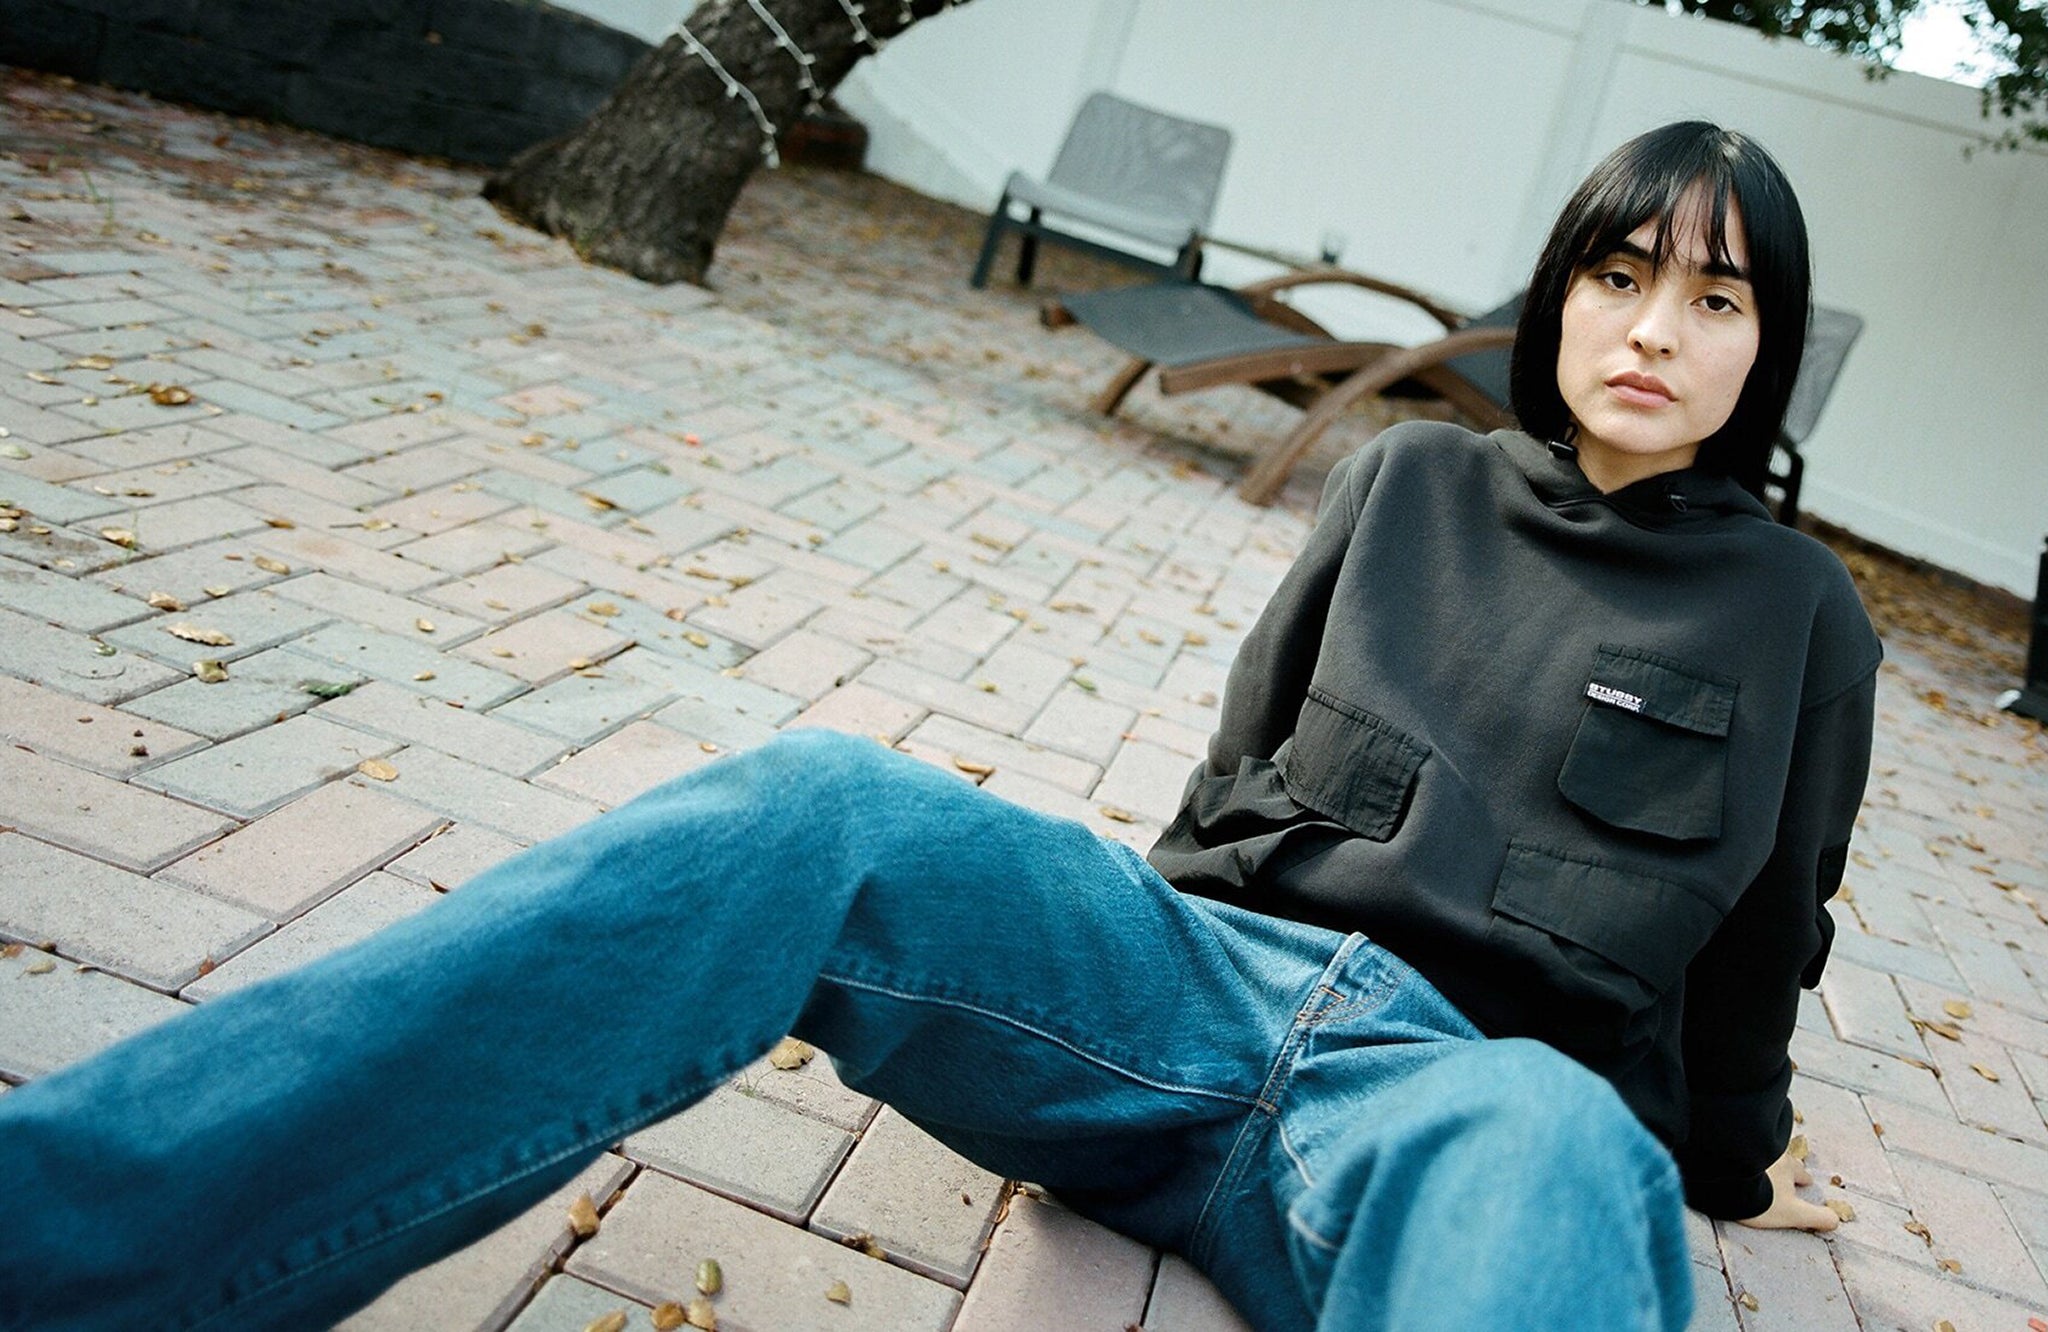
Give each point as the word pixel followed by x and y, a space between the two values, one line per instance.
pixel 645 184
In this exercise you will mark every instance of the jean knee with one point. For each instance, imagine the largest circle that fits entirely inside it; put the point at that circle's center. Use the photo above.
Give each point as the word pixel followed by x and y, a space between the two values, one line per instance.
pixel 1535 1091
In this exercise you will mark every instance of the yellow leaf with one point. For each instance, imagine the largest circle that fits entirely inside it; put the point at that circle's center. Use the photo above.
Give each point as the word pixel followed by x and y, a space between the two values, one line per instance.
pixel 169 395
pixel 603 609
pixel 1747 1301
pixel 1955 1008
pixel 217 591
pixel 192 633
pixel 695 639
pixel 615 1321
pixel 789 1053
pixel 209 671
pixel 1796 1149
pixel 710 1277
pixel 1988 1074
pixel 1117 815
pixel 701 1315
pixel 424 625
pixel 583 1216
pixel 598 502
pixel 666 1316
pixel 973 768
pixel 120 536
pixel 283 524
pixel 839 1293
pixel 1842 1209
pixel 164 601
pixel 377 769
pixel 1948 1265
pixel 423 675
pixel 268 565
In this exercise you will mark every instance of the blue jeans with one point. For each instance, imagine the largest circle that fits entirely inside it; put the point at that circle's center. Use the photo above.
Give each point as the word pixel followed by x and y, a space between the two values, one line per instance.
pixel 1297 1111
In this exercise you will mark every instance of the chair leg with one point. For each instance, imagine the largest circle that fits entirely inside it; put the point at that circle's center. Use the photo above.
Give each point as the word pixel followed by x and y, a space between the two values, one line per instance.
pixel 1119 386
pixel 997 222
pixel 1795 471
pixel 1263 482
pixel 1027 250
pixel 1188 263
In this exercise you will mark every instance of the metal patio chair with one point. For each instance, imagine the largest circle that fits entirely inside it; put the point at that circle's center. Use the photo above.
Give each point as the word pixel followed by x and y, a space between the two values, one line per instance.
pixel 1123 168
pixel 1828 339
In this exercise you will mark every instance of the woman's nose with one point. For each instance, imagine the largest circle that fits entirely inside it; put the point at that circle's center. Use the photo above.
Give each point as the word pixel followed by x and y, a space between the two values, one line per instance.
pixel 1655 330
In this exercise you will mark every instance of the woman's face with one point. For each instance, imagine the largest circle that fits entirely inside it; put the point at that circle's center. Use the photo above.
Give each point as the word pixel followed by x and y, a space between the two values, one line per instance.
pixel 1651 361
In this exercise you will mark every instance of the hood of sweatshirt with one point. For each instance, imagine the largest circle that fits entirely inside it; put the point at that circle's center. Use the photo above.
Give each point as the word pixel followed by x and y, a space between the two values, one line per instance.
pixel 1687 498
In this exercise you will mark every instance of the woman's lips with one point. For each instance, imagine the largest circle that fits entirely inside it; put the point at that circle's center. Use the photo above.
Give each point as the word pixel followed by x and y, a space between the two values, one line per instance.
pixel 1641 390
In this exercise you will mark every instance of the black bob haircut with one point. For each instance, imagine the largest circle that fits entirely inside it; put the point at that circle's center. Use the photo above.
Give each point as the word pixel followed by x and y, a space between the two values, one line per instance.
pixel 1681 175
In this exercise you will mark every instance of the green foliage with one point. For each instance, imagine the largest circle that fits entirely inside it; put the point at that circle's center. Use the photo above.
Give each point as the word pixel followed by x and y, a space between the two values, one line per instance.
pixel 1869 30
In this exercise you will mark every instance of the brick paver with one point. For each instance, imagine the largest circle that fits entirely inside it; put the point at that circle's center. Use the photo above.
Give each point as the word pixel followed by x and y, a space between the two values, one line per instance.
pixel 535 572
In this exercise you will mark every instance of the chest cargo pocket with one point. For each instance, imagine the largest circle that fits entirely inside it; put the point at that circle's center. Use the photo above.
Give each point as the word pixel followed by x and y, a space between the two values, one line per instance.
pixel 1651 752
pixel 1351 766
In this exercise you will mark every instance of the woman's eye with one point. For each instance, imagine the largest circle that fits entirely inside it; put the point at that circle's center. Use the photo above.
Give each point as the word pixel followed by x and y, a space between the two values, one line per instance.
pixel 1718 303
pixel 1616 280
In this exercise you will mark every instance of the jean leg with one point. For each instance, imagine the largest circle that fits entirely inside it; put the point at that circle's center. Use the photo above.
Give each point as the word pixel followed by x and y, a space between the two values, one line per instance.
pixel 1501 1185
pixel 281 1154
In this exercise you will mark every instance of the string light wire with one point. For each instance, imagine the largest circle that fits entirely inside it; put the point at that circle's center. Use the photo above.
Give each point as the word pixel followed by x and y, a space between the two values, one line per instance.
pixel 734 88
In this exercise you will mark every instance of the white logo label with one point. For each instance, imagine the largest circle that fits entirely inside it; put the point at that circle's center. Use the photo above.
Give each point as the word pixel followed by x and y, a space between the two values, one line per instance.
pixel 1601 693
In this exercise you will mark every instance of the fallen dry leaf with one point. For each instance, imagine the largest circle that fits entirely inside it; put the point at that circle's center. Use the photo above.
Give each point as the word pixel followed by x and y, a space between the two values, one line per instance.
pixel 603 609
pixel 164 601
pixel 219 590
pixel 169 395
pixel 1747 1301
pixel 701 1315
pixel 424 625
pixel 1917 1227
pixel 710 1277
pixel 1842 1209
pixel 666 1316
pixel 697 640
pixel 1796 1149
pixel 789 1053
pixel 120 536
pixel 583 1216
pixel 1117 815
pixel 193 633
pixel 972 768
pixel 839 1293
pixel 285 524
pixel 268 565
pixel 423 675
pixel 378 770
pixel 1955 1008
pixel 209 671
pixel 1950 1265
pixel 1984 1072
pixel 615 1321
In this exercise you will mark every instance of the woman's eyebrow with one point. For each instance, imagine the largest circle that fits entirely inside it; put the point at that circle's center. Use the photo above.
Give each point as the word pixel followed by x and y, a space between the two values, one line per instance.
pixel 1719 268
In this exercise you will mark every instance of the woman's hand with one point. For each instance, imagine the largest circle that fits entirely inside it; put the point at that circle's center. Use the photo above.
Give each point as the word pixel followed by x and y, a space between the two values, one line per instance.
pixel 1789 1211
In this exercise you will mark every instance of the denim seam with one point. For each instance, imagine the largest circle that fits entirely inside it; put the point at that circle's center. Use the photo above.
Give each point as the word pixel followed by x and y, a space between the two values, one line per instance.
pixel 1005 1019
pixel 1266 1107
pixel 628 1124
pixel 1309 1233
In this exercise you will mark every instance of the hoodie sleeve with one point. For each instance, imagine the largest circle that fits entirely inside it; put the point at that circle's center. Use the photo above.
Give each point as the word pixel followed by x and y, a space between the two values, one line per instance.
pixel 1270 675
pixel 1742 990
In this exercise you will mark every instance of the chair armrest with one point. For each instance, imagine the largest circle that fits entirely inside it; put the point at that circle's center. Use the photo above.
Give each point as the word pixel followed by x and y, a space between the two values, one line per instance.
pixel 1261 291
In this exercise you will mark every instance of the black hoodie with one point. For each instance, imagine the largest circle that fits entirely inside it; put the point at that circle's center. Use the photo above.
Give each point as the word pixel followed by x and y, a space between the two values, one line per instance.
pixel 1588 762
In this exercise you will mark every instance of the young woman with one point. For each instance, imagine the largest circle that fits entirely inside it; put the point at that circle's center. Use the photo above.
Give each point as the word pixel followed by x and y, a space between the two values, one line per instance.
pixel 1495 893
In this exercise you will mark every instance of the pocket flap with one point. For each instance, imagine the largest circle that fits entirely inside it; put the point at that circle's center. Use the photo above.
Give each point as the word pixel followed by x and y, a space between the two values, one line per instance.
pixel 1348 765
pixel 1651 926
pixel 1659 688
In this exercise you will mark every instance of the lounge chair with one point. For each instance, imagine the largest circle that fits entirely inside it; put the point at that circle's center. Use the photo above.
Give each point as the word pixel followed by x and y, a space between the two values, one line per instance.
pixel 1201 336
pixel 1126 169
pixel 1828 339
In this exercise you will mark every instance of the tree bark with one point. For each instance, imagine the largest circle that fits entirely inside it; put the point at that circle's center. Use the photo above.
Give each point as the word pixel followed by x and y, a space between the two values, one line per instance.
pixel 645 184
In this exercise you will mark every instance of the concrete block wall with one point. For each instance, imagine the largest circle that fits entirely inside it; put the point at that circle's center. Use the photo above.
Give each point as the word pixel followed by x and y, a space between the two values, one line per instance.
pixel 473 80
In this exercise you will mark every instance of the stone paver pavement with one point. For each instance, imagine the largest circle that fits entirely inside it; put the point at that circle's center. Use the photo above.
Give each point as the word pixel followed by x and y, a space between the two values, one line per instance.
pixel 486 541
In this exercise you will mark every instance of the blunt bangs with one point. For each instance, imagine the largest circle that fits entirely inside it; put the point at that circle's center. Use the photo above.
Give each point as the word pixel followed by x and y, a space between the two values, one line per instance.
pixel 1683 176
